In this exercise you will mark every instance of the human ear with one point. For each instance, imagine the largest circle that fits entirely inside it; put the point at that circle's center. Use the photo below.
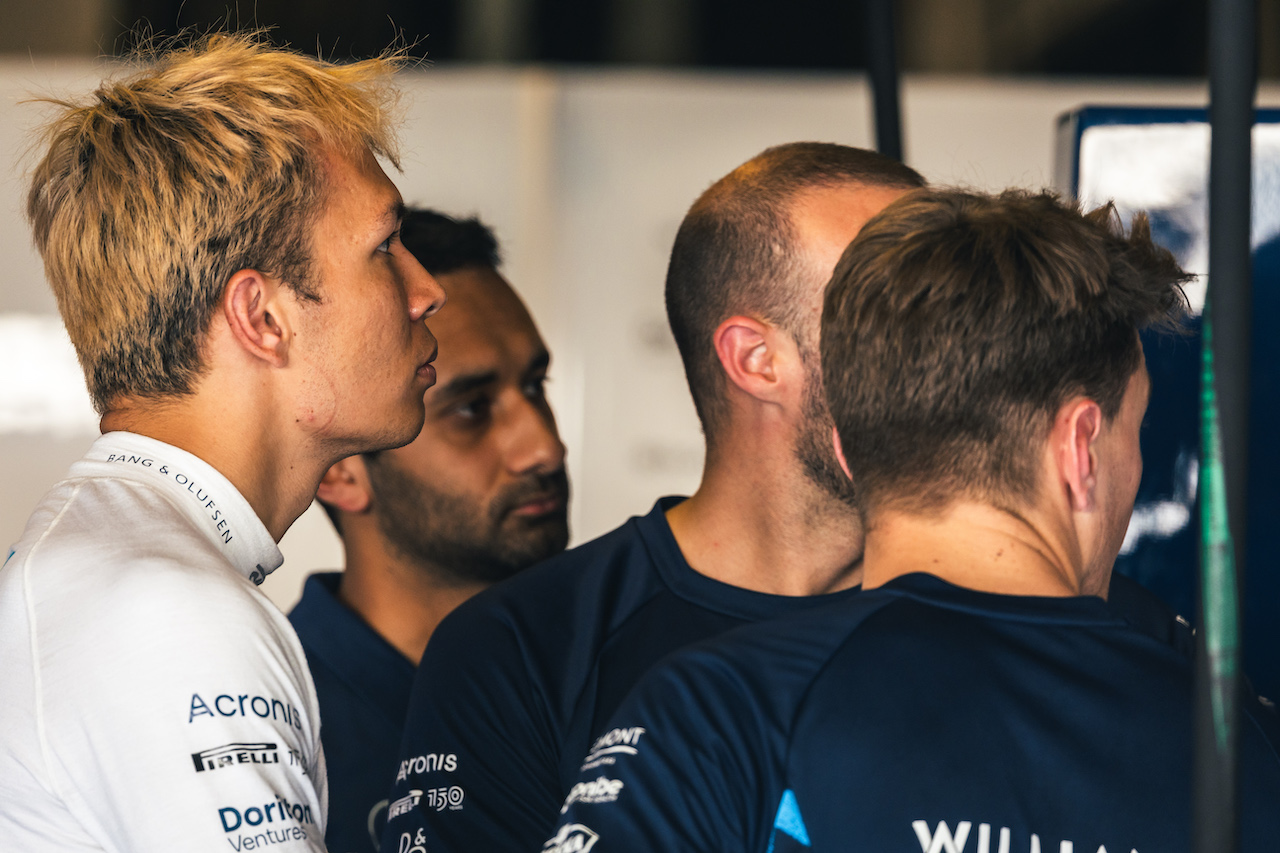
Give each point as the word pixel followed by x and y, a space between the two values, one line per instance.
pixel 252 307
pixel 748 352
pixel 345 486
pixel 1078 426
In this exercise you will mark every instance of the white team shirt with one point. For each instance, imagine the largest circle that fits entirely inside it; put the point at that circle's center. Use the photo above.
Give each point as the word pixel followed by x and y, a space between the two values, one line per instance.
pixel 151 697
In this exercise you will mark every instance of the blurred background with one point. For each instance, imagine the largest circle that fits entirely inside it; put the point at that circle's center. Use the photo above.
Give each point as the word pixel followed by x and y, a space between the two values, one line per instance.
pixel 1148 38
pixel 582 130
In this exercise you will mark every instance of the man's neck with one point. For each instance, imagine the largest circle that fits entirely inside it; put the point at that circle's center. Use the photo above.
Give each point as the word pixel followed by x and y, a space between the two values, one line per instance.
pixel 762 525
pixel 276 475
pixel 978 547
pixel 401 602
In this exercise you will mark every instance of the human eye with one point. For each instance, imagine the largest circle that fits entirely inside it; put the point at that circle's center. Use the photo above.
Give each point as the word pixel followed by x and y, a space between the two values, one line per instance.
pixel 385 245
pixel 473 411
pixel 535 387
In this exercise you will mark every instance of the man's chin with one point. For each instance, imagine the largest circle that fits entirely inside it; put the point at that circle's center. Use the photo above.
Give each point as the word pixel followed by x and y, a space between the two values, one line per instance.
pixel 397 433
pixel 539 537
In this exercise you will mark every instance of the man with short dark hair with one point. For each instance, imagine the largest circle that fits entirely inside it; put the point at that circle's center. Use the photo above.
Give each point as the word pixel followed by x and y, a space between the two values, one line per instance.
pixel 981 359
pixel 517 682
pixel 478 495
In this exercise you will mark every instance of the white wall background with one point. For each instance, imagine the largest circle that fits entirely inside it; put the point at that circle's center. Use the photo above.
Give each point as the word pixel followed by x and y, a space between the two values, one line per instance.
pixel 585 176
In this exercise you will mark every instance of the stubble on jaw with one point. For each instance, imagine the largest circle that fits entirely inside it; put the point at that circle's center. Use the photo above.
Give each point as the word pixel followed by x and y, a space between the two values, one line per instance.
pixel 457 540
pixel 813 448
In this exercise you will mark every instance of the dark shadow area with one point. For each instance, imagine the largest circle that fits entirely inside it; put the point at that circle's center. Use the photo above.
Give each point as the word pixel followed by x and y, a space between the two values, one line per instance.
pixel 1147 38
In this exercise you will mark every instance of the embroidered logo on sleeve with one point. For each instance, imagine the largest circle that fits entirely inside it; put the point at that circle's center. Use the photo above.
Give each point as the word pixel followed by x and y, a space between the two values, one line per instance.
pixel 607 747
pixel 602 790
pixel 571 838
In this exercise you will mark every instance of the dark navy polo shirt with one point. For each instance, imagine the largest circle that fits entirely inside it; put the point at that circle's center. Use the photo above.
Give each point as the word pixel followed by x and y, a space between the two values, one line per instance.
pixel 916 716
pixel 363 684
pixel 518 680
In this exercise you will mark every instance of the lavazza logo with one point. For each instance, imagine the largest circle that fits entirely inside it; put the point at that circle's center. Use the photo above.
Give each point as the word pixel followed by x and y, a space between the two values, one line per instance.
pixel 602 790
pixel 571 838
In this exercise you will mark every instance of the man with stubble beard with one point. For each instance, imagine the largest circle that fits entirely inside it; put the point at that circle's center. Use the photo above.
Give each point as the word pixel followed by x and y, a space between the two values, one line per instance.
pixel 478 495
pixel 516 685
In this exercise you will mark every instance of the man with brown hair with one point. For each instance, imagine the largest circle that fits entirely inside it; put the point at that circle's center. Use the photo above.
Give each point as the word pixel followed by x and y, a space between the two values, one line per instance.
pixel 981 359
pixel 517 683
pixel 224 250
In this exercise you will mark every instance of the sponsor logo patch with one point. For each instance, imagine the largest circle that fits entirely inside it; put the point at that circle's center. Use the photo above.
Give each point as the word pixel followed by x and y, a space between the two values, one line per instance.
pixel 258 827
pixel 445 798
pixel 416 844
pixel 235 753
pixel 243 705
pixel 943 840
pixel 602 790
pixel 203 497
pixel 279 810
pixel 608 747
pixel 571 838
pixel 429 763
pixel 404 805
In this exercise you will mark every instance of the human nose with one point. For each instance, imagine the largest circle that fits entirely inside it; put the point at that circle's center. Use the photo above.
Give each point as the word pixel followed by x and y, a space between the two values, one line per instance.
pixel 424 293
pixel 533 444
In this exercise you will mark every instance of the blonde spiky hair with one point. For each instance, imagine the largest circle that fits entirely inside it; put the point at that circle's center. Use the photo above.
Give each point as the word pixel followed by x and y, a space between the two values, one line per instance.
pixel 163 184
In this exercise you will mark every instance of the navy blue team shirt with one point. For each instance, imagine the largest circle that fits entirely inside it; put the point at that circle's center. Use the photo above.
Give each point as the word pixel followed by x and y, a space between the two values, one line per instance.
pixel 363 684
pixel 919 716
pixel 519 681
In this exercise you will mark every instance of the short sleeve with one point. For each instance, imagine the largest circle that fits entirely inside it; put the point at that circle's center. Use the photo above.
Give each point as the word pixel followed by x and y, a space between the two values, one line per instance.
pixel 691 761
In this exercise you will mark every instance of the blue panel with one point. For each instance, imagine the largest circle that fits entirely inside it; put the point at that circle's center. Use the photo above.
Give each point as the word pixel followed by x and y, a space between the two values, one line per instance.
pixel 1165 558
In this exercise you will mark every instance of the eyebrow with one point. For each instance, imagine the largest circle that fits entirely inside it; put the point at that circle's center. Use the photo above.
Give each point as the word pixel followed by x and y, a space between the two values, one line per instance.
pixel 460 385
pixel 395 212
pixel 539 362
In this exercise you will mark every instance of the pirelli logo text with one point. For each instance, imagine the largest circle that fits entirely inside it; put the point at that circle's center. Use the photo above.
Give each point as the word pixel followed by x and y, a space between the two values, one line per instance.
pixel 235 753
pixel 450 797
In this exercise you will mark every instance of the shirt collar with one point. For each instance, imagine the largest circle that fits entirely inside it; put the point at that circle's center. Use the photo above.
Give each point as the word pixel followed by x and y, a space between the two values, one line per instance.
pixel 214 506
pixel 350 648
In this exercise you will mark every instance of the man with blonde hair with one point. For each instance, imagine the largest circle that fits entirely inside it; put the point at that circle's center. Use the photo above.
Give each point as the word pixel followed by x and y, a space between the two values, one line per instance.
pixel 224 249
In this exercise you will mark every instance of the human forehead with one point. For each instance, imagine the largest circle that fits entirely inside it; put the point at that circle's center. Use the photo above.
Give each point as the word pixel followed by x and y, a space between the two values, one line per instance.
pixel 484 325
pixel 359 195
pixel 481 303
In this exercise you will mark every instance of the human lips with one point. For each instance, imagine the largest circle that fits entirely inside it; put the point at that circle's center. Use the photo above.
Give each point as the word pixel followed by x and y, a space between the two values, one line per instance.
pixel 536 505
pixel 427 370
pixel 537 499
